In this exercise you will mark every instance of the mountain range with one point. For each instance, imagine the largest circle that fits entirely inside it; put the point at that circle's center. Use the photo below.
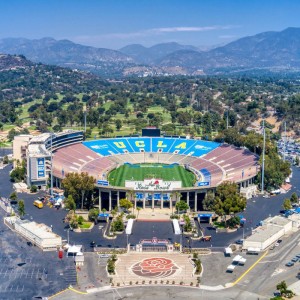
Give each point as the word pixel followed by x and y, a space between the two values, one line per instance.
pixel 273 51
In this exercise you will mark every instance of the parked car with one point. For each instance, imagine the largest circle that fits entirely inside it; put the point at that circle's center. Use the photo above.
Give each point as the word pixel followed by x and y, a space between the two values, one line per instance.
pixel 289 264
pixel 239 242
pixel 104 255
pixel 295 259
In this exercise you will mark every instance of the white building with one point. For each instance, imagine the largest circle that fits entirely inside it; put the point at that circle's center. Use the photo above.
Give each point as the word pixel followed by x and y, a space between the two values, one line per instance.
pixel 39 234
pixel 273 229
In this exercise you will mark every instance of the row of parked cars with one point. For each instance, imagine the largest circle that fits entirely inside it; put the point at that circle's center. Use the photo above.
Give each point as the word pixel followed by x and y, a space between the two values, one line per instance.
pixel 293 261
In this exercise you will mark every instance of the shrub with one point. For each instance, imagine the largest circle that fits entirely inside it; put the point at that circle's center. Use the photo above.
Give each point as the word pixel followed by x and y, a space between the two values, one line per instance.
pixel 130 216
pixel 174 216
pixel 33 189
pixel 80 220
pixel 93 214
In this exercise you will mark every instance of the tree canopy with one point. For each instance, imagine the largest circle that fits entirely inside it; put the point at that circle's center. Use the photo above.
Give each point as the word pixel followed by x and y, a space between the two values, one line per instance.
pixel 80 187
pixel 228 199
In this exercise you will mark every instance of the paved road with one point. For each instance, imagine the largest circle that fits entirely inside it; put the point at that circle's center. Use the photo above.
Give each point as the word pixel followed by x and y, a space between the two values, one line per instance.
pixel 162 293
pixel 258 209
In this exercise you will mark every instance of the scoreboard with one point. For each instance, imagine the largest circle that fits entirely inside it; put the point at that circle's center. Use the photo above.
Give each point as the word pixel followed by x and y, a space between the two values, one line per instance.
pixel 151 131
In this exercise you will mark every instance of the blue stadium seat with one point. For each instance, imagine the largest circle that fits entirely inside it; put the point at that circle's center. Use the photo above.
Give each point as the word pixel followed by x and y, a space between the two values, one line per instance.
pixel 162 144
pixel 123 145
pixel 206 174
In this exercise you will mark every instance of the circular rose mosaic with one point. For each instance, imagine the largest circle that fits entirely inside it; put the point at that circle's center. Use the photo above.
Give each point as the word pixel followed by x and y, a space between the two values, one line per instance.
pixel 157 267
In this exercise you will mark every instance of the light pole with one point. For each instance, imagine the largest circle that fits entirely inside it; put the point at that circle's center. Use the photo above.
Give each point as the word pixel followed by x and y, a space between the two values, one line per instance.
pixel 263 159
pixel 51 158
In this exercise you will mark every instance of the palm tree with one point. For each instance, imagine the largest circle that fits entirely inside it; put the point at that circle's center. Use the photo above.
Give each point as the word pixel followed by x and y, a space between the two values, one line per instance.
pixel 130 195
pixel 138 210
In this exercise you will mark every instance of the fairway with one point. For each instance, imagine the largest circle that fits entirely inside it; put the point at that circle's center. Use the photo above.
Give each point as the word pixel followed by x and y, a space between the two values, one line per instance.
pixel 139 172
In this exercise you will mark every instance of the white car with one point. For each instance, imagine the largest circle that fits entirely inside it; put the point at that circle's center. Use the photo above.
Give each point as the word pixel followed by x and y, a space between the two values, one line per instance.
pixel 276 244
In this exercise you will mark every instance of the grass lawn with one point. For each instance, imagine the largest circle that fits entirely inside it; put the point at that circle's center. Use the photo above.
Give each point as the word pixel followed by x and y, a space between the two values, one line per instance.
pixel 139 172
pixel 85 225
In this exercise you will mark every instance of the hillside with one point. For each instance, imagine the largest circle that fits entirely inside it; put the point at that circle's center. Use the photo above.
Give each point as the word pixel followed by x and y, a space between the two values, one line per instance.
pixel 67 54
pixel 264 52
pixel 152 54
pixel 268 50
pixel 20 77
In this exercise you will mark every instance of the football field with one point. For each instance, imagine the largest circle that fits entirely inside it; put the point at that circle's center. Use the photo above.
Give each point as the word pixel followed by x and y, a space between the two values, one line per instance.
pixel 139 172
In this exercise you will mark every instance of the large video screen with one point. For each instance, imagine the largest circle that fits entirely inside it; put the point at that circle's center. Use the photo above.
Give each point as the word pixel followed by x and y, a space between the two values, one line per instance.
pixel 151 132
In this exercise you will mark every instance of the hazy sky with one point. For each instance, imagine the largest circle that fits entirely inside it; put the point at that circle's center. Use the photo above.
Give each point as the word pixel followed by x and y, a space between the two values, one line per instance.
pixel 116 23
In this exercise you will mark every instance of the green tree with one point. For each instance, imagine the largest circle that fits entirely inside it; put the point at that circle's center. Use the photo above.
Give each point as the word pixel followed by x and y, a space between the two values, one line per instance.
pixel 13 196
pixel 33 189
pixel 21 208
pixel 117 225
pixel 181 206
pixel 138 211
pixel 287 204
pixel 282 287
pixel 118 123
pixel 228 200
pixel 93 214
pixel 70 203
pixel 79 186
pixel 126 204
pixel 19 172
pixel 294 198
pixel 208 202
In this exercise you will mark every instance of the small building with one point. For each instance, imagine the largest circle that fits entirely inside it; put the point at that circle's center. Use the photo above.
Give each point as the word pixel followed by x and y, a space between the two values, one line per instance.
pixel 39 234
pixel 273 228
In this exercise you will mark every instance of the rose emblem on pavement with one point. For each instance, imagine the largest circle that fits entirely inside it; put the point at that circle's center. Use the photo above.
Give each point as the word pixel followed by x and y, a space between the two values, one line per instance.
pixel 157 267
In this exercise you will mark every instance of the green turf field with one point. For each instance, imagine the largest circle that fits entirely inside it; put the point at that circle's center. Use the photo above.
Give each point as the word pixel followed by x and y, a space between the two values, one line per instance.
pixel 139 172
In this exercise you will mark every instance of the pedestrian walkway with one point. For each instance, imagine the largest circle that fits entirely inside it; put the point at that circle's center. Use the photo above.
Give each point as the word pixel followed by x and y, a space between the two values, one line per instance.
pixel 154 215
pixel 150 268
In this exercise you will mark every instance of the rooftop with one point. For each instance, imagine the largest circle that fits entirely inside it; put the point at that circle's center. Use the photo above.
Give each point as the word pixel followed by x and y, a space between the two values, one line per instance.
pixel 263 233
pixel 40 230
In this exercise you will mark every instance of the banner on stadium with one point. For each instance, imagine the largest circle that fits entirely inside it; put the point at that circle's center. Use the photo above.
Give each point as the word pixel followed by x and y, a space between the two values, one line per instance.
pixel 204 183
pixel 153 185
pixel 103 182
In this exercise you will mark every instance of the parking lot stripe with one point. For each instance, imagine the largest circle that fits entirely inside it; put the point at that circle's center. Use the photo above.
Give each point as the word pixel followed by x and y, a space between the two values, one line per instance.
pixel 57 294
pixel 78 292
pixel 249 269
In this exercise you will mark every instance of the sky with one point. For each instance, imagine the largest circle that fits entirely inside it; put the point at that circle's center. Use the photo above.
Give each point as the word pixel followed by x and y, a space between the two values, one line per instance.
pixel 117 23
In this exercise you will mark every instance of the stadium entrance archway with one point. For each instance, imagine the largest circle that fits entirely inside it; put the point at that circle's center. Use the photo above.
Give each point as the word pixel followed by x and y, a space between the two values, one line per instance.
pixel 154 245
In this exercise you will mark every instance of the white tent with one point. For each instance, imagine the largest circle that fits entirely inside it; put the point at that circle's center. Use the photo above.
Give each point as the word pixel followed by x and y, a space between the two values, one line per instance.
pixel 74 250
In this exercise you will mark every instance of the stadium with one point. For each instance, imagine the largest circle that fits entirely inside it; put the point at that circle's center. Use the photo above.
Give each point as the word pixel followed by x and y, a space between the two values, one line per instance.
pixel 151 171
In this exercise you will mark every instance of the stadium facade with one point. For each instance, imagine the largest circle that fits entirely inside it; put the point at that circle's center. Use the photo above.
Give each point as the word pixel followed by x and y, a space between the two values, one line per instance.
pixel 211 162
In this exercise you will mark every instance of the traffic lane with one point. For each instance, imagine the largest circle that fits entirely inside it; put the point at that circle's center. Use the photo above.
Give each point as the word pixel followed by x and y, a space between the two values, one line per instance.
pixel 258 209
pixel 6 186
pixel 148 230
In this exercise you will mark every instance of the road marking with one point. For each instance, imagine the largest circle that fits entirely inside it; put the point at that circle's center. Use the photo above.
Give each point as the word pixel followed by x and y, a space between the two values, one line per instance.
pixel 78 292
pixel 57 293
pixel 269 261
pixel 277 271
pixel 249 269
